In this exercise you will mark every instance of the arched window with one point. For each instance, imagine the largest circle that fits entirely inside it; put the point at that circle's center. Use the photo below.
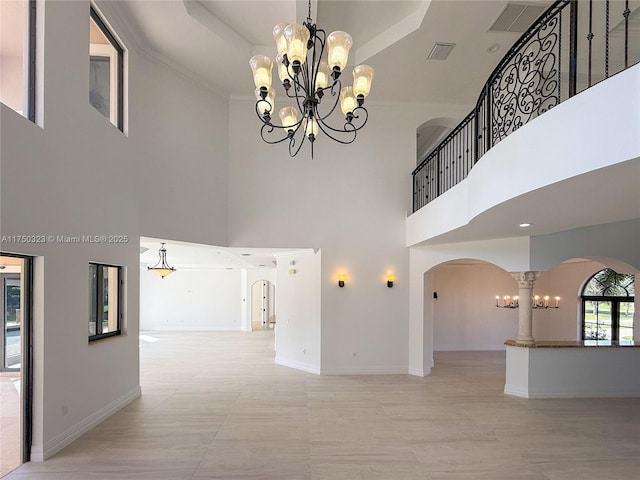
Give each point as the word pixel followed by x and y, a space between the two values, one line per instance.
pixel 607 306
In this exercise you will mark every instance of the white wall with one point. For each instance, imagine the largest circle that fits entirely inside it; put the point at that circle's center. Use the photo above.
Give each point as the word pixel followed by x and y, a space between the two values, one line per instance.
pixel 298 317
pixel 617 243
pixel 565 281
pixel 191 300
pixel 464 315
pixel 80 176
pixel 351 202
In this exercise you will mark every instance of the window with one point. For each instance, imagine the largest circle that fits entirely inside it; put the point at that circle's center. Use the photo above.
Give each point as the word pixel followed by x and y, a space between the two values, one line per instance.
pixel 607 306
pixel 17 55
pixel 106 71
pixel 105 284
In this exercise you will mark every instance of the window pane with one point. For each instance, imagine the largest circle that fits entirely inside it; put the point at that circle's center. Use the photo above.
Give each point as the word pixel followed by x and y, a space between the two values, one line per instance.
pixel 626 321
pixel 93 288
pixel 597 320
pixel 13 54
pixel 103 72
pixel 110 299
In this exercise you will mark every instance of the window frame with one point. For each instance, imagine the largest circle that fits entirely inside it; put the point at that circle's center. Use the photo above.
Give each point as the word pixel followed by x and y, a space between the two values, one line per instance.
pixel 119 90
pixel 99 303
pixel 31 69
pixel 615 302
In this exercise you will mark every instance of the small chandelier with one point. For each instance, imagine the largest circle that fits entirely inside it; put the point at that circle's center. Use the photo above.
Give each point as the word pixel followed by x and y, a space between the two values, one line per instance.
pixel 308 78
pixel 162 268
pixel 536 302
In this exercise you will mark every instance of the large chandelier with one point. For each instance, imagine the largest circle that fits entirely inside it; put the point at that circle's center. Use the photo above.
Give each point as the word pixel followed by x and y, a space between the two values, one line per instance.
pixel 309 79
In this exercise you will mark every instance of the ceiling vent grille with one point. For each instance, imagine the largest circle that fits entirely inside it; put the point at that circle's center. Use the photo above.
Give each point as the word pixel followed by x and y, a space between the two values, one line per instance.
pixel 516 17
pixel 440 51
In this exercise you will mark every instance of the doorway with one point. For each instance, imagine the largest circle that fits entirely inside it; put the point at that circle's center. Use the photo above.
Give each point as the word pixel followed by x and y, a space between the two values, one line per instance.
pixel 15 361
pixel 262 305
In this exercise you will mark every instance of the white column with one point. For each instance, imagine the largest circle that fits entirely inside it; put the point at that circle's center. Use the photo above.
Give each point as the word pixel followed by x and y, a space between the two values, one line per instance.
pixel 525 280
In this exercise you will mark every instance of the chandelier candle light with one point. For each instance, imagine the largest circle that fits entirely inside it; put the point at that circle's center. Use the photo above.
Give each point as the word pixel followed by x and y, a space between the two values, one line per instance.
pixel 307 77
pixel 536 302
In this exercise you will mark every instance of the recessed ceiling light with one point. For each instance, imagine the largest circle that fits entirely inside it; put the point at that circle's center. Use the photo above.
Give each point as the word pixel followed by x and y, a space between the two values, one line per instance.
pixel 525 225
pixel 493 48
pixel 245 254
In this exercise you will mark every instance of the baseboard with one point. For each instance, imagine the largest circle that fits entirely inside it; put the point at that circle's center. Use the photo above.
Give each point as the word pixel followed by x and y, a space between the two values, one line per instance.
pixel 419 372
pixel 468 348
pixel 381 370
pixel 192 328
pixel 298 366
pixel 583 394
pixel 516 392
pixel 522 393
pixel 57 443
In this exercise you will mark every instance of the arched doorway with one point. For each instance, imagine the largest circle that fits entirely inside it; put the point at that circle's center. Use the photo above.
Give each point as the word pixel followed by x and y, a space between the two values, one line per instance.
pixel 462 293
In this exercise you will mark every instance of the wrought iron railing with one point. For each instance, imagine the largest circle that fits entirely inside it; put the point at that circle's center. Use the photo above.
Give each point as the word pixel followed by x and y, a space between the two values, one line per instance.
pixel 536 74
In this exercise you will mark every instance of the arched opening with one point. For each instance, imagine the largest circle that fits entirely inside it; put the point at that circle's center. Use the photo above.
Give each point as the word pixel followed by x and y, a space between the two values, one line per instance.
pixel 459 297
pixel 608 308
pixel 430 134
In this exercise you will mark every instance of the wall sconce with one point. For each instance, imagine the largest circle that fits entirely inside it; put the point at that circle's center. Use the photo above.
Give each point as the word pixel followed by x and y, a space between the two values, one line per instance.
pixel 390 281
pixel 341 281
pixel 538 302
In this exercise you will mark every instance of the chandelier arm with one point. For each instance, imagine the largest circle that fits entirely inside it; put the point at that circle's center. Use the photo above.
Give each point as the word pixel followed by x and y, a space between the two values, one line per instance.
pixel 353 131
pixel 292 144
pixel 261 115
pixel 315 62
pixel 269 129
pixel 351 126
pixel 316 65
pixel 299 98
pixel 356 116
pixel 335 104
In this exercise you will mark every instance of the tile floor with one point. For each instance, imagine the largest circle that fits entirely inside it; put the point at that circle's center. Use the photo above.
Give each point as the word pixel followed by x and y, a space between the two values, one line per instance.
pixel 9 421
pixel 215 406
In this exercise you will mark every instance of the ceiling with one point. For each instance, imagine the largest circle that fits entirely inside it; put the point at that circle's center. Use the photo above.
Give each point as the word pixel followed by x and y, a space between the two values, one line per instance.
pixel 213 40
pixel 193 256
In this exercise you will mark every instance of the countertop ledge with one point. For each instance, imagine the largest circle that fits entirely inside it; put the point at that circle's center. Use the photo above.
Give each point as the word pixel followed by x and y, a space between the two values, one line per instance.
pixel 575 344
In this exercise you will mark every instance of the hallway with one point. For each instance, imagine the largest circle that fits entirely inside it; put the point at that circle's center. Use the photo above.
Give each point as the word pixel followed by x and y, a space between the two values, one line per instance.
pixel 214 406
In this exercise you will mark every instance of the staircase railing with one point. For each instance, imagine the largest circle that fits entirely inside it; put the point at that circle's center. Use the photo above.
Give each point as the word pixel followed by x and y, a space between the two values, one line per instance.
pixel 560 55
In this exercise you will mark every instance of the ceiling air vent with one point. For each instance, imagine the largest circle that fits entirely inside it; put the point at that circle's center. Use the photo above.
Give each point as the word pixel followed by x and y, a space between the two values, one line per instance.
pixel 516 17
pixel 440 51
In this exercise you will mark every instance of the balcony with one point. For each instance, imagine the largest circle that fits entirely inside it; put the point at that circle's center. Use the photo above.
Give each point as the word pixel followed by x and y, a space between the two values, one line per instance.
pixel 554 132
pixel 571 47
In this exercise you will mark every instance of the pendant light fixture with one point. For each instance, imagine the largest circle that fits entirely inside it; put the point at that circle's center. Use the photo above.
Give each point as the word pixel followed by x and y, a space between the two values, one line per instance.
pixel 312 81
pixel 162 268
